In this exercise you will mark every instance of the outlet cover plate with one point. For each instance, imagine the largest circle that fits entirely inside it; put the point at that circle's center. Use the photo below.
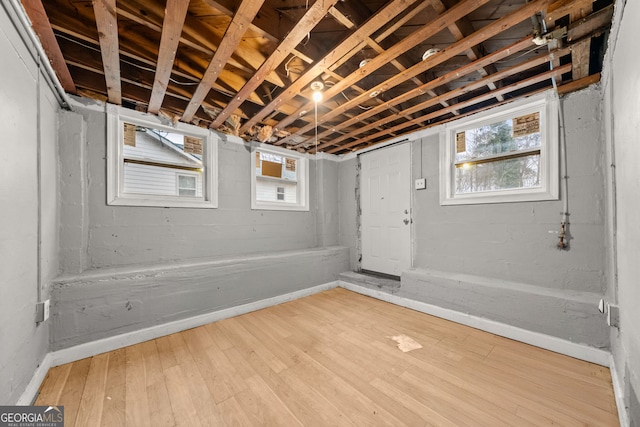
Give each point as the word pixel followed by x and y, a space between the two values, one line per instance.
pixel 421 183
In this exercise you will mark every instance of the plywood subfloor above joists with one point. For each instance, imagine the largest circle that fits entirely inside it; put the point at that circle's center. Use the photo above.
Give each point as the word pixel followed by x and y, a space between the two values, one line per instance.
pixel 241 66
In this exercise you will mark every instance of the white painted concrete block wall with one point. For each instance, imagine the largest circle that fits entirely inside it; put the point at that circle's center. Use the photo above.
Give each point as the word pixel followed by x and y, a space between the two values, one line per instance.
pixel 118 236
pixel 126 267
pixel 500 261
pixel 517 241
pixel 23 344
pixel 621 81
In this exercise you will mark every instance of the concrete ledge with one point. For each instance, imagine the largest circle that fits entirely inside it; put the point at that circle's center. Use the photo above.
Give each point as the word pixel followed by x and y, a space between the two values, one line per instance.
pixel 104 345
pixel 381 283
pixel 329 260
pixel 105 303
pixel 568 315
pixel 558 345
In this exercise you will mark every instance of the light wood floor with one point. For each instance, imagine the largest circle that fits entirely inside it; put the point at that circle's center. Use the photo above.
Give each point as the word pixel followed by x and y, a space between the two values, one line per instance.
pixel 328 360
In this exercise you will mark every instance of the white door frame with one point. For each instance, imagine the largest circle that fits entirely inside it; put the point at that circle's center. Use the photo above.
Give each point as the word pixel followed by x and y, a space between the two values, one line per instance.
pixel 405 243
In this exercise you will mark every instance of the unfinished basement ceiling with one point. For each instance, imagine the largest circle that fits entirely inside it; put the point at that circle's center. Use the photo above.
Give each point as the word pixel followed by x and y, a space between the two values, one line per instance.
pixel 388 68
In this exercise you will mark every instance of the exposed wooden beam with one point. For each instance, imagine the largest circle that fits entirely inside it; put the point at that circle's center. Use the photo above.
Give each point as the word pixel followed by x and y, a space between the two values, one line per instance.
pixel 238 26
pixel 145 21
pixel 504 90
pixel 460 30
pixel 135 92
pixel 449 77
pixel 388 31
pixel 491 78
pixel 197 35
pixel 576 9
pixel 174 15
pixel 418 36
pixel 107 24
pixel 42 27
pixel 269 23
pixel 267 26
pixel 149 65
pixel 437 82
pixel 515 17
pixel 344 20
pixel 310 19
pixel 174 92
pixel 580 54
pixel 591 24
pixel 297 87
pixel 372 43
pixel 579 84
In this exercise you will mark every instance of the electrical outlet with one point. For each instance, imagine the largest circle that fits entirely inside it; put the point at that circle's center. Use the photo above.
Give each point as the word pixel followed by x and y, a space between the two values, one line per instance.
pixel 421 183
pixel 42 311
pixel 613 315
pixel 46 309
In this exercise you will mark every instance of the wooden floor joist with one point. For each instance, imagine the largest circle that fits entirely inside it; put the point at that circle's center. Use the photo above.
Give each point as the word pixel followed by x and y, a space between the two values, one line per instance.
pixel 329 359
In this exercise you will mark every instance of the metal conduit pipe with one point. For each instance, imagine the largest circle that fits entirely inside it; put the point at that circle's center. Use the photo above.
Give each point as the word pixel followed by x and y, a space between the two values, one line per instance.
pixel 21 21
pixel 564 226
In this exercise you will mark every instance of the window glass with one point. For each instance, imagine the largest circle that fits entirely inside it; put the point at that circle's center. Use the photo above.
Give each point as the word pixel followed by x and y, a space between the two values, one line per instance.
pixel 280 181
pixel 152 164
pixel 152 157
pixel 509 154
pixel 493 157
pixel 187 185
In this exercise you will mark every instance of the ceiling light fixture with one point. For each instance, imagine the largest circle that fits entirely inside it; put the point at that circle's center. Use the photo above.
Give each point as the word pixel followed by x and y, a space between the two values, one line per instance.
pixel 430 52
pixel 363 63
pixel 317 87
pixel 374 93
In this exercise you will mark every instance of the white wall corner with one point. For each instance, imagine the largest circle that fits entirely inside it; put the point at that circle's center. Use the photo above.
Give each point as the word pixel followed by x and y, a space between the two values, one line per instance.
pixel 618 392
pixel 31 391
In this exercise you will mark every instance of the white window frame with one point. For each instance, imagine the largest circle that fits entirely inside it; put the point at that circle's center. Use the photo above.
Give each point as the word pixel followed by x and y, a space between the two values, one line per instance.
pixel 116 117
pixel 547 105
pixel 189 175
pixel 302 186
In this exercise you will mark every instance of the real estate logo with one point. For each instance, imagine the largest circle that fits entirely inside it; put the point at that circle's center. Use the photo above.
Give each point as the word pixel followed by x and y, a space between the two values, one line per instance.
pixel 31 416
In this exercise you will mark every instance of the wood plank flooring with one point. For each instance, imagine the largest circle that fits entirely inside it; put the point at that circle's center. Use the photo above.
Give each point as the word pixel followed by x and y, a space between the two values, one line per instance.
pixel 328 359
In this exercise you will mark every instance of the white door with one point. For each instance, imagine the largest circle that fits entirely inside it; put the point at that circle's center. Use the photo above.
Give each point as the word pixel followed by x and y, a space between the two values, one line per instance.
pixel 386 205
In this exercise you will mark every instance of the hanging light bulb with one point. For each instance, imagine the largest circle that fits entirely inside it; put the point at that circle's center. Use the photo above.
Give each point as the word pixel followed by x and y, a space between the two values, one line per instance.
pixel 317 87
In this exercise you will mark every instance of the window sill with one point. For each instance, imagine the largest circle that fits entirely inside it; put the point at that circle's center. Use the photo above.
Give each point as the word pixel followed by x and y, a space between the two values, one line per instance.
pixel 505 196
pixel 271 206
pixel 161 201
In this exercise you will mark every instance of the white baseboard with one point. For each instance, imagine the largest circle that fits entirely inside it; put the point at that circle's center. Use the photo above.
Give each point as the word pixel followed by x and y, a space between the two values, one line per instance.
pixel 618 392
pixel 31 391
pixel 558 345
pixel 93 348
pixel 72 354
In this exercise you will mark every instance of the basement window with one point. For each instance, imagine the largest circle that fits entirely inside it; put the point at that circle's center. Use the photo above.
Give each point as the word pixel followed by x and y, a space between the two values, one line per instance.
pixel 154 164
pixel 188 185
pixel 279 180
pixel 509 154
